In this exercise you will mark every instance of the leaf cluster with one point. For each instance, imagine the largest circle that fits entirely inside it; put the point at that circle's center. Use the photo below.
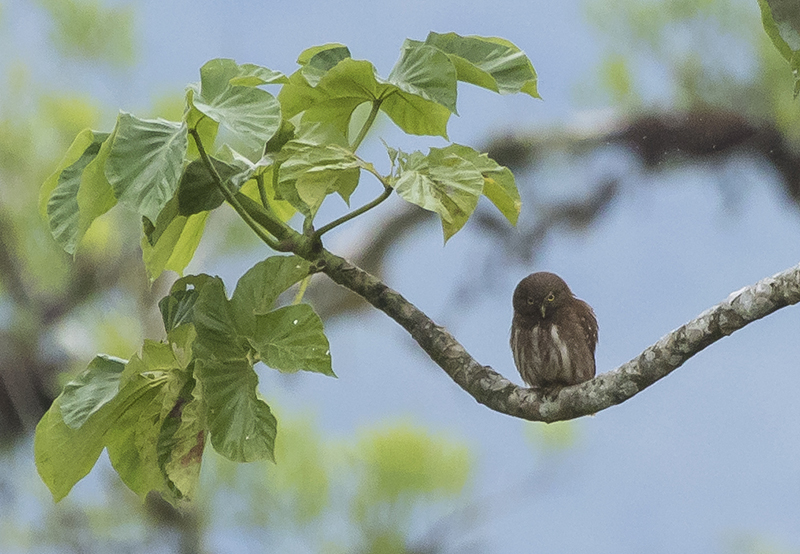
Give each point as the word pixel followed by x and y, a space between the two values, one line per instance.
pixel 272 159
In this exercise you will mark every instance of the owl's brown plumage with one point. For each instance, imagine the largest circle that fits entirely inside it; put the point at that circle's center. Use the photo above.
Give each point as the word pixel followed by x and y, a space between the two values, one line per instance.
pixel 553 334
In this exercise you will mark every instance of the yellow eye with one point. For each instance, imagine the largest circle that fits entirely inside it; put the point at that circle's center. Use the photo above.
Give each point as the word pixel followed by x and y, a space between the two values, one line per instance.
pixel 531 300
pixel 551 297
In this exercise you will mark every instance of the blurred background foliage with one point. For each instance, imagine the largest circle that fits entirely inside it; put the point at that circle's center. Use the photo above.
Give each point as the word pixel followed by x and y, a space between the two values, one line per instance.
pixel 396 487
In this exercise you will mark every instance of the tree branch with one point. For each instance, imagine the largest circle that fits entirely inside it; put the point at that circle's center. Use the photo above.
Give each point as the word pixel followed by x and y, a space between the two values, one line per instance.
pixel 498 393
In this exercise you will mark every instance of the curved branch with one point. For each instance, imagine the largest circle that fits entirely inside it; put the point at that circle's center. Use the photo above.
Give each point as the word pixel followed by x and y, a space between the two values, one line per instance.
pixel 498 393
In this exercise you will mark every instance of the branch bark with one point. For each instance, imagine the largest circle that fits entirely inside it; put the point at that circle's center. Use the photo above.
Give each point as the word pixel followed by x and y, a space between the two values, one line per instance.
pixel 498 393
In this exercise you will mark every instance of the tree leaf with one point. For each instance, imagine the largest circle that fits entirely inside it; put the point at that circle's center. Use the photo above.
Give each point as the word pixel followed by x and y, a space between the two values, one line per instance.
pixel 251 75
pixel 292 338
pixel 488 62
pixel 177 308
pixel 197 190
pixel 172 242
pixel 95 387
pixel 181 443
pixel 499 185
pixel 214 321
pixel 310 172
pixel 426 72
pixel 64 455
pixel 259 288
pixel 133 441
pixel 442 182
pixel 318 61
pixel 82 141
pixel 242 426
pixel 248 116
pixel 350 83
pixel 62 207
pixel 146 162
pixel 95 195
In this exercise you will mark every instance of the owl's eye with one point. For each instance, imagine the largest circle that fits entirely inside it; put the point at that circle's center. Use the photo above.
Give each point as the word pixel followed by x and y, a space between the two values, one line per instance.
pixel 531 300
pixel 551 297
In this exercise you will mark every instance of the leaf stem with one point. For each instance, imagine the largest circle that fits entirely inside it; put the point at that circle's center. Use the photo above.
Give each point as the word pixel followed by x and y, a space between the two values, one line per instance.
pixel 387 192
pixel 376 106
pixel 262 191
pixel 229 196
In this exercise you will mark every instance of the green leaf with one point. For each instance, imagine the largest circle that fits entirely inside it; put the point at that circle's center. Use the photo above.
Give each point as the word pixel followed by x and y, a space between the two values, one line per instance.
pixel 321 60
pixel 426 72
pixel 91 390
pixel 292 338
pixel 310 172
pixel 133 442
pixel 82 141
pixel 172 242
pixel 251 75
pixel 64 455
pixel 146 162
pixel 197 190
pixel 177 308
pixel 62 207
pixel 442 182
pixel 248 116
pixel 350 83
pixel 95 195
pixel 488 62
pixel 242 426
pixel 181 443
pixel 499 185
pixel 213 318
pixel 259 288
pixel 781 20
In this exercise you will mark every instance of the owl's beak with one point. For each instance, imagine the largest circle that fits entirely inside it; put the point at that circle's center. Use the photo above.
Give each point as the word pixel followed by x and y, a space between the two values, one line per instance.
pixel 544 310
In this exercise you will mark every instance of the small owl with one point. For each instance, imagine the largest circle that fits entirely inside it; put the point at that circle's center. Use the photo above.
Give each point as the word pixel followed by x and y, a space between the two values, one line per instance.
pixel 553 334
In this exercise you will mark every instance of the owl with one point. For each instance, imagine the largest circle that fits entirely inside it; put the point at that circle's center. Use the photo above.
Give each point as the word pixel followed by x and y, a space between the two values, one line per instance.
pixel 553 334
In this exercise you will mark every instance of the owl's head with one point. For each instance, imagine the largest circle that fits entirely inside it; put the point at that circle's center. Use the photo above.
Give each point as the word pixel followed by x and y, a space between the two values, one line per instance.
pixel 539 294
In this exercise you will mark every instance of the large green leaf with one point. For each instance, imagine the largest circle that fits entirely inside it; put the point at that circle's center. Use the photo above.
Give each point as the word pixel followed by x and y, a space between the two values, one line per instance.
pixel 135 444
pixel 248 116
pixel 76 150
pixel 242 426
pixel 62 207
pixel 181 442
pixel 488 62
pixel 259 288
pixel 292 339
pixel 781 20
pixel 427 72
pixel 499 185
pixel 214 320
pixel 172 241
pixel 252 75
pixel 310 172
pixel 95 387
pixel 442 182
pixel 318 60
pixel 95 195
pixel 417 99
pixel 146 162
pixel 64 455
pixel 197 189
